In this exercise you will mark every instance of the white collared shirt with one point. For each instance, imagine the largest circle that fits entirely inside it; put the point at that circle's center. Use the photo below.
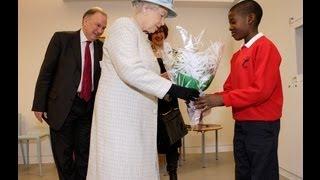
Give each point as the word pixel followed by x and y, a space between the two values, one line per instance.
pixel 83 42
pixel 252 40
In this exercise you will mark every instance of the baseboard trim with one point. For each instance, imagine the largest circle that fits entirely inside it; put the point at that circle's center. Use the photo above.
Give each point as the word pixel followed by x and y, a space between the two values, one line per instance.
pixel 194 149
pixel 288 174
pixel 209 149
pixel 34 159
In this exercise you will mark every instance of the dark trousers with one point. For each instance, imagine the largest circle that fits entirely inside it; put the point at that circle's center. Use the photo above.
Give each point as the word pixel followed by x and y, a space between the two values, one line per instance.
pixel 255 150
pixel 70 144
pixel 172 157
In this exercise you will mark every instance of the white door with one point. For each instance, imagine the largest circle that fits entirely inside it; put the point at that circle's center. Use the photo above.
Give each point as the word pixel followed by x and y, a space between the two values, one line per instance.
pixel 291 137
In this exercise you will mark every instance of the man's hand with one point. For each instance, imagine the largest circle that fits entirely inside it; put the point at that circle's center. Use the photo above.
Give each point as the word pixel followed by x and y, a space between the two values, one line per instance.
pixel 38 115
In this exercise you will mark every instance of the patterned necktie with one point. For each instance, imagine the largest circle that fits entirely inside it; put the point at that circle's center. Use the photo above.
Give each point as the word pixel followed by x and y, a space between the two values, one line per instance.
pixel 86 76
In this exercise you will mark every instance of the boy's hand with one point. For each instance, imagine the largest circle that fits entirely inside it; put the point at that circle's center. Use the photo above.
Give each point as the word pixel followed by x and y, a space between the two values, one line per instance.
pixel 208 101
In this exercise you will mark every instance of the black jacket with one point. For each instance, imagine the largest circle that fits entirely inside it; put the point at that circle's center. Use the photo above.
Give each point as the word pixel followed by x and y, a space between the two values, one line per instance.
pixel 164 105
pixel 60 75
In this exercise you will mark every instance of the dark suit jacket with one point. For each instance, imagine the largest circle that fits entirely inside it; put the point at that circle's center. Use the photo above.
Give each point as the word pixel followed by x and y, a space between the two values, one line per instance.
pixel 60 76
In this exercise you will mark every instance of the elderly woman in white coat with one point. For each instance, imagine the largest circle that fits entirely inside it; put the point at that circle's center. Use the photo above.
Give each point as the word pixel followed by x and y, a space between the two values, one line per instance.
pixel 124 127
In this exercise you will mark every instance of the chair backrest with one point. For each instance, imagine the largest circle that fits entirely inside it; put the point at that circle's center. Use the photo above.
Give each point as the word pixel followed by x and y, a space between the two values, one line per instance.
pixel 19 124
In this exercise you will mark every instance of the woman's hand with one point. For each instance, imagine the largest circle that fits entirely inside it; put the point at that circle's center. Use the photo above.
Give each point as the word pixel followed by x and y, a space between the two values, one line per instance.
pixel 187 94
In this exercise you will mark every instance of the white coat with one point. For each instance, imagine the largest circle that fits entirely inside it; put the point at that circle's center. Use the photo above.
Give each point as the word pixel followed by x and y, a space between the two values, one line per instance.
pixel 124 125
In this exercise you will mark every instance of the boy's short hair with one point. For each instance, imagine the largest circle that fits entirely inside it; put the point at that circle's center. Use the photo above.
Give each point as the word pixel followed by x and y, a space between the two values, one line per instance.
pixel 249 6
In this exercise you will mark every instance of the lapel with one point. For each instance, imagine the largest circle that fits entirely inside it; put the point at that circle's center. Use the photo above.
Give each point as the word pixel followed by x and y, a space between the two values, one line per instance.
pixel 77 49
pixel 97 54
pixel 97 58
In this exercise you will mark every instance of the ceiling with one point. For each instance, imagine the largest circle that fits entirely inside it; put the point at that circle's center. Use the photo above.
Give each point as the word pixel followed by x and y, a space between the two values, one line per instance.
pixel 188 3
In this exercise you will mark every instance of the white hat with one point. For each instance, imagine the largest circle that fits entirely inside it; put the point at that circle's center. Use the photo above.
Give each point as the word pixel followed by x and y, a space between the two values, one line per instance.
pixel 168 4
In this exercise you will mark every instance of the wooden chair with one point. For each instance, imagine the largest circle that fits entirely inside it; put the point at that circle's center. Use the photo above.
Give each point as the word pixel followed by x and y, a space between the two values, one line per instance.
pixel 203 128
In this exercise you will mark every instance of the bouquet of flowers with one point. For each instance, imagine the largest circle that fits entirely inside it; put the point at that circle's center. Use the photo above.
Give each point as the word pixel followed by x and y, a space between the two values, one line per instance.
pixel 192 67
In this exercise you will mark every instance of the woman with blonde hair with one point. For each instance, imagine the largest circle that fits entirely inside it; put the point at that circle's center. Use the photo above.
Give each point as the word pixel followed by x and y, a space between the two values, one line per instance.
pixel 124 125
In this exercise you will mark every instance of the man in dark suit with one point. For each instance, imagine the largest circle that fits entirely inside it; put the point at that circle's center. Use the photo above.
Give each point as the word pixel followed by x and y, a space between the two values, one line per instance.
pixel 65 91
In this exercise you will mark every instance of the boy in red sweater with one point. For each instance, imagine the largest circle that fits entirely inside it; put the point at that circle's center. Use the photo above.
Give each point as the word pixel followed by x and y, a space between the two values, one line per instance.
pixel 253 89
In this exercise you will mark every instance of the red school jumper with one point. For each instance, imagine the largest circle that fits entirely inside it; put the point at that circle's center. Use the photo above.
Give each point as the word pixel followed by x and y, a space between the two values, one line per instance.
pixel 253 88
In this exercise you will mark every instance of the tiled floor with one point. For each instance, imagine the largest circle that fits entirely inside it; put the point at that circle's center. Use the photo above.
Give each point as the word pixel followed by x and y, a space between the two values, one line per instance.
pixel 191 169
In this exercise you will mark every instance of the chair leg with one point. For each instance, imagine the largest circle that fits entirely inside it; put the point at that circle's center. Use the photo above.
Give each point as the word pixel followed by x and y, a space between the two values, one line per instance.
pixel 217 145
pixel 27 156
pixel 203 149
pixel 183 149
pixel 22 151
pixel 39 155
